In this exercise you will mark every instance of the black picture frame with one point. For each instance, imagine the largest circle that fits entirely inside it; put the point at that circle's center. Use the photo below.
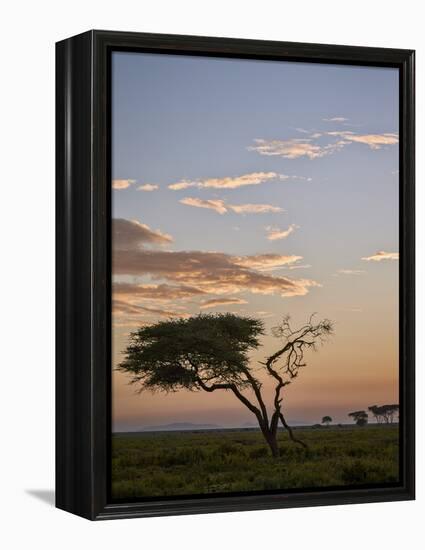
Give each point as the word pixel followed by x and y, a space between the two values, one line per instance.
pixel 83 315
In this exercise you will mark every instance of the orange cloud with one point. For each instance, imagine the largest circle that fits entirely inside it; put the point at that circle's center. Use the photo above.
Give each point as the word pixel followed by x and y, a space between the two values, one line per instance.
pixel 221 207
pixel 216 205
pixel 148 187
pixel 253 208
pixel 290 149
pixel 122 184
pixel 133 234
pixel 254 178
pixel 211 272
pixel 214 302
pixel 274 233
pixel 374 141
pixel 265 262
pixel 382 255
pixel 162 292
pixel 312 147
pixel 124 308
pixel 349 272
pixel 175 276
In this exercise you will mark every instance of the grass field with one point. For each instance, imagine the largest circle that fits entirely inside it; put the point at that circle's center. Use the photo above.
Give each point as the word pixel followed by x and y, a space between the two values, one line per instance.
pixel 216 461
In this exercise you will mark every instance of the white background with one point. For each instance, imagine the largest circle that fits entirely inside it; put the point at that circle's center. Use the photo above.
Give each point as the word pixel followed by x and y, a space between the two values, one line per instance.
pixel 29 30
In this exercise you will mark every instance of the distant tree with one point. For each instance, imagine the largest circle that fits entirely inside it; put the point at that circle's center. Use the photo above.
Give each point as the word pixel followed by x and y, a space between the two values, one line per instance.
pixel 389 412
pixel 375 410
pixel 326 420
pixel 359 417
pixel 211 353
pixel 384 413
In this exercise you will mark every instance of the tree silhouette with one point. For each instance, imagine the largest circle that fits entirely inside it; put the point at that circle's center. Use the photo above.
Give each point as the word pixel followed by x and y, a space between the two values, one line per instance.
pixel 359 417
pixel 384 413
pixel 211 353
pixel 326 420
pixel 376 411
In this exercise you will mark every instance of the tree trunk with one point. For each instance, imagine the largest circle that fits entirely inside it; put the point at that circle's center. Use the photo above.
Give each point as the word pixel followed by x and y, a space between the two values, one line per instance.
pixel 272 443
pixel 291 433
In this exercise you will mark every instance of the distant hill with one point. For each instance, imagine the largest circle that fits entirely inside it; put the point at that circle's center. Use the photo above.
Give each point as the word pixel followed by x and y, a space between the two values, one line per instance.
pixel 180 426
pixel 292 423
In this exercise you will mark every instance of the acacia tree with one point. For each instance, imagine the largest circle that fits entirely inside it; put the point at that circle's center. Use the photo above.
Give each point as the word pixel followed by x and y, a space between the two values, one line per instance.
pixel 211 353
pixel 384 413
pixel 359 417
pixel 326 420
pixel 376 411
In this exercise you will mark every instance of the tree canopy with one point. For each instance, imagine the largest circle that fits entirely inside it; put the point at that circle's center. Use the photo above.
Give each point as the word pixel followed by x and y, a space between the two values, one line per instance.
pixel 384 413
pixel 195 353
pixel 359 417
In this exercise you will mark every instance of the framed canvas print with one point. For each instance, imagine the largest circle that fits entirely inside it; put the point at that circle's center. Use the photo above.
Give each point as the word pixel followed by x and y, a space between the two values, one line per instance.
pixel 235 275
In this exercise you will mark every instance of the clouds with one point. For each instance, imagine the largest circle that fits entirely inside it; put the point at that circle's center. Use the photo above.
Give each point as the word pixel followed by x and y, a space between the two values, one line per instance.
pixel 212 204
pixel 122 184
pixel 180 278
pixel 148 187
pixel 274 233
pixel 253 208
pixel 266 262
pixel 335 119
pixel 221 207
pixel 290 149
pixel 254 178
pixel 124 308
pixel 119 184
pixel 349 272
pixel 212 272
pixel 374 141
pixel 161 292
pixel 320 144
pixel 214 302
pixel 130 234
pixel 381 255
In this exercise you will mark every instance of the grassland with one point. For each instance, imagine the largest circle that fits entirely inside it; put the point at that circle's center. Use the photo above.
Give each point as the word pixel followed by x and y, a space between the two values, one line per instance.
pixel 219 461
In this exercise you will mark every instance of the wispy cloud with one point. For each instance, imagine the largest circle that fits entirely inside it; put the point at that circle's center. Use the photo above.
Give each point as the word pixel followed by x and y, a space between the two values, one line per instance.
pixel 254 178
pixel 265 314
pixel 299 266
pixel 266 262
pixel 161 292
pixel 274 233
pixel 124 308
pixel 148 187
pixel 253 208
pixel 214 302
pixel 381 255
pixel 374 141
pixel 320 144
pixel 122 184
pixel 349 271
pixel 221 207
pixel 129 234
pixel 335 119
pixel 290 149
pixel 212 204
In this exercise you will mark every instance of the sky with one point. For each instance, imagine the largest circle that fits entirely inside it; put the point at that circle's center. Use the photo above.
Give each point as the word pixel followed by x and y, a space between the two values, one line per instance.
pixel 262 188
